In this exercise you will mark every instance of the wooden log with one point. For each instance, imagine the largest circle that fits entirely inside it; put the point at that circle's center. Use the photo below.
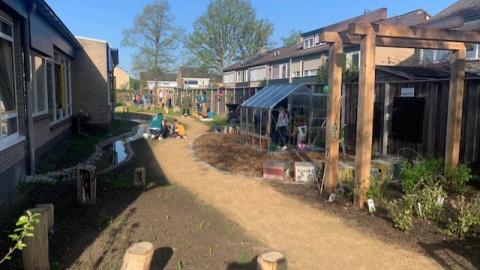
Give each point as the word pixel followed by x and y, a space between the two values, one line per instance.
pixel 272 261
pixel 35 254
pixel 139 180
pixel 138 256
pixel 87 185
pixel 51 214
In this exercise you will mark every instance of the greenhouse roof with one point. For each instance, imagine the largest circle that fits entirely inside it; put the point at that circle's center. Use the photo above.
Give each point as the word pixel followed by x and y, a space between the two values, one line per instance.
pixel 271 95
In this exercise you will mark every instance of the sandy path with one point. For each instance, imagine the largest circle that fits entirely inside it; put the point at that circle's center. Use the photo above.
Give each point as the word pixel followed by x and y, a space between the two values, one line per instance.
pixel 309 238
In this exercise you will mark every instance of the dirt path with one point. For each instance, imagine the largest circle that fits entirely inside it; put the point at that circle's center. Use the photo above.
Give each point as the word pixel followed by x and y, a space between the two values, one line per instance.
pixel 308 237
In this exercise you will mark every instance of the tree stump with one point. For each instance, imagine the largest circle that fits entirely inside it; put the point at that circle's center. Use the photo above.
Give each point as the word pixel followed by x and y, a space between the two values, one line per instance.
pixel 51 214
pixel 272 261
pixel 138 256
pixel 35 254
pixel 139 180
pixel 87 185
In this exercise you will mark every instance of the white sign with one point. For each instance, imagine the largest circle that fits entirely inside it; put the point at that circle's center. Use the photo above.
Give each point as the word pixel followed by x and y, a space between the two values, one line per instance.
pixel 408 92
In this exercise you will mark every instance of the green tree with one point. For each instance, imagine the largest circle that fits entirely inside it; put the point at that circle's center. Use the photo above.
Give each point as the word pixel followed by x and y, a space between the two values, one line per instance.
pixel 155 36
pixel 292 38
pixel 226 32
pixel 134 83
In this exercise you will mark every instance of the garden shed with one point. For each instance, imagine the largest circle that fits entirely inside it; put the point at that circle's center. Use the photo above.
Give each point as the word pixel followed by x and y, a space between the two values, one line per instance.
pixel 306 114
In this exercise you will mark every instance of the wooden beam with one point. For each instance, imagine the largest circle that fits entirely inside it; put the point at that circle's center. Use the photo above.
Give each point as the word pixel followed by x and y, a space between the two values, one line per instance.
pixel 397 31
pixel 447 23
pixel 422 44
pixel 408 19
pixel 330 37
pixel 370 17
pixel 366 93
pixel 333 124
pixel 469 26
pixel 455 103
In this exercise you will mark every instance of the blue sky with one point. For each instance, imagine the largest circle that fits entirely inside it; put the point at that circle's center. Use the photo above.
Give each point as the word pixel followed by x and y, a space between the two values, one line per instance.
pixel 105 20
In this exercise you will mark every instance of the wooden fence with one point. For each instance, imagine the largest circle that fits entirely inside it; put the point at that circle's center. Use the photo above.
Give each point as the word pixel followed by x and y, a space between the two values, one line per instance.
pixel 430 122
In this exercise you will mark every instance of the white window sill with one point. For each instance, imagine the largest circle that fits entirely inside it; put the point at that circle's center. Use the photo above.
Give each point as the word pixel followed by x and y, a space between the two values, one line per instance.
pixel 9 142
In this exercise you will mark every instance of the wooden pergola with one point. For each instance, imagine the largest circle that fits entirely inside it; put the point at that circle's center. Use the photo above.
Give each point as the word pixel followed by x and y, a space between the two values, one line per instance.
pixel 368 32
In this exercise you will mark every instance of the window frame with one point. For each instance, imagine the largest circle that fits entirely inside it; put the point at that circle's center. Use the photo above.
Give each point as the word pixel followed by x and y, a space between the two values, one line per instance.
pixel 64 65
pixel 8 140
pixel 35 111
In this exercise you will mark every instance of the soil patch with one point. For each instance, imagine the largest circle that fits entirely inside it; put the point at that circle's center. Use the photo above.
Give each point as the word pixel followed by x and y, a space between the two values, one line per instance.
pixel 186 233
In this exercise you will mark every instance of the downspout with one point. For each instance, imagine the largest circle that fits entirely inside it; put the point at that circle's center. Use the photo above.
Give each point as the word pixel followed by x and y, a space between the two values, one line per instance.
pixel 28 87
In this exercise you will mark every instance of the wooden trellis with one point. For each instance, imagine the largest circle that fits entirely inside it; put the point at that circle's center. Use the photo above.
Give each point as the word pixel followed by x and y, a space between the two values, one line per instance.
pixel 368 32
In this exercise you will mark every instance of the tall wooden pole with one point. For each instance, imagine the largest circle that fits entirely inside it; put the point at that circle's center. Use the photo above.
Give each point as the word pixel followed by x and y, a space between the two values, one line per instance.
pixel 333 115
pixel 366 93
pixel 455 103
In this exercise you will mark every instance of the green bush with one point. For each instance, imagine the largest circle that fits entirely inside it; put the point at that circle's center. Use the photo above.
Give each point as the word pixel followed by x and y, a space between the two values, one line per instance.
pixel 401 212
pixel 417 176
pixel 376 189
pixel 467 217
pixel 427 206
pixel 458 177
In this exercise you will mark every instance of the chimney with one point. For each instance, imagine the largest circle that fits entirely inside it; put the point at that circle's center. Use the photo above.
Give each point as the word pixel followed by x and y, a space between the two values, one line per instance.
pixel 262 50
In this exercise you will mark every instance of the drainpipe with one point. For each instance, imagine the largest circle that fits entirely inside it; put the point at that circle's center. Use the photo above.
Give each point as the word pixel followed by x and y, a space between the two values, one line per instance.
pixel 28 87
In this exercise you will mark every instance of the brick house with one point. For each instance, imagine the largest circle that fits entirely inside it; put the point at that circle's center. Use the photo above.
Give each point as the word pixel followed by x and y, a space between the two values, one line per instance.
pixel 37 94
pixel 29 130
pixel 122 78
pixel 96 83
pixel 299 63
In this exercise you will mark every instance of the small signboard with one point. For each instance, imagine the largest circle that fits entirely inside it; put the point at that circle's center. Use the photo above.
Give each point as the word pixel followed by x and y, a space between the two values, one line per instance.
pixel 407 92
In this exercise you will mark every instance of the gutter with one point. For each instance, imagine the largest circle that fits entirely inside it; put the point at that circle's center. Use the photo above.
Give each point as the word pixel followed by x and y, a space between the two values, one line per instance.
pixel 28 86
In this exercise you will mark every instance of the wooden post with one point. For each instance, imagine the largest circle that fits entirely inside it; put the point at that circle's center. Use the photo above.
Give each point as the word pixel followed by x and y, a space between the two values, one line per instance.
pixel 87 185
pixel 35 255
pixel 51 214
pixel 455 103
pixel 139 179
pixel 272 261
pixel 138 256
pixel 333 124
pixel 366 91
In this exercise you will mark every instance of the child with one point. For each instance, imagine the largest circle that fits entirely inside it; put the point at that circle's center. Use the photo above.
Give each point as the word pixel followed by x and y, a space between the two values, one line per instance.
pixel 178 130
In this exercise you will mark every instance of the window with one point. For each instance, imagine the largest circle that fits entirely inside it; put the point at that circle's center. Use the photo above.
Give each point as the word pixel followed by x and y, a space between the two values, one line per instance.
pixel 308 43
pixel 280 71
pixel 258 74
pixel 8 100
pixel 39 85
pixel 59 88
pixel 239 76
pixel 191 82
pixel 229 77
pixel 296 74
pixel 310 72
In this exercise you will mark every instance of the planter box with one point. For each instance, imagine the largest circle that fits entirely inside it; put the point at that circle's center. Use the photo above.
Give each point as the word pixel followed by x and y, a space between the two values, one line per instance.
pixel 305 171
pixel 278 170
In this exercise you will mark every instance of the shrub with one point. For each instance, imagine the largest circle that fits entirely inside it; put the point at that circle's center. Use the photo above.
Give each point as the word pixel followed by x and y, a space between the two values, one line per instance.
pixel 425 173
pixel 427 206
pixel 458 177
pixel 376 189
pixel 467 217
pixel 401 212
